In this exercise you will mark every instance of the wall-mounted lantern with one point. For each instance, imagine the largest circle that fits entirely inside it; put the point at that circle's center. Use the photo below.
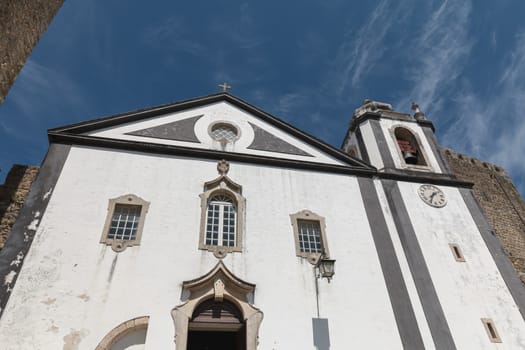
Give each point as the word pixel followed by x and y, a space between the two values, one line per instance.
pixel 326 268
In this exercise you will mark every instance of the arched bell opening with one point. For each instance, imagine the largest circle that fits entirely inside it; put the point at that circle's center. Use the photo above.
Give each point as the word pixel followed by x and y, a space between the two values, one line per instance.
pixel 217 325
pixel 409 147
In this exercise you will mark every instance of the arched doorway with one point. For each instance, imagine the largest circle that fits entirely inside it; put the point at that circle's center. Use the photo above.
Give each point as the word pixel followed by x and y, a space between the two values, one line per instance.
pixel 216 325
pixel 221 304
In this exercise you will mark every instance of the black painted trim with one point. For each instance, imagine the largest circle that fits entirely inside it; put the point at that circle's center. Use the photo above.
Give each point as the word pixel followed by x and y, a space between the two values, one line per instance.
pixel 384 150
pixel 434 314
pixel 362 147
pixel 102 123
pixel 509 275
pixel 146 147
pixel 355 122
pixel 431 138
pixel 21 236
pixel 425 123
pixel 397 289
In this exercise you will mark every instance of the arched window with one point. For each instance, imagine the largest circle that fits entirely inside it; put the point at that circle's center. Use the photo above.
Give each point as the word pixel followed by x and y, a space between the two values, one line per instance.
pixel 411 152
pixel 221 221
pixel 222 214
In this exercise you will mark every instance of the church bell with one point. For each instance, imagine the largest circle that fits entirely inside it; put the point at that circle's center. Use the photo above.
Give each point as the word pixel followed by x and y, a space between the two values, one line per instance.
pixel 410 158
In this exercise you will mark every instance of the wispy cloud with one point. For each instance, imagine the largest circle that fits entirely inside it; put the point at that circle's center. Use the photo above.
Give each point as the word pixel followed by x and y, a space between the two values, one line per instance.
pixel 242 32
pixel 493 129
pixel 493 40
pixel 289 103
pixel 37 87
pixel 35 82
pixel 361 49
pixel 172 35
pixel 439 54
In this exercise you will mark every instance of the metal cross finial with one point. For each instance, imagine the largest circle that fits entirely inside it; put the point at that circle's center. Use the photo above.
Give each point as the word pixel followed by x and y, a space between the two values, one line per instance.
pixel 224 86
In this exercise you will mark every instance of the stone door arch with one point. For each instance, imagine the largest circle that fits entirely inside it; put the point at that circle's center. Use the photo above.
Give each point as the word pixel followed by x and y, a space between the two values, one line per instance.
pixel 218 285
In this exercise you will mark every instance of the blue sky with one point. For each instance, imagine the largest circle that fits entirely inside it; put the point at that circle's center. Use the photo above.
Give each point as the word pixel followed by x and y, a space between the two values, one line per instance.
pixel 310 63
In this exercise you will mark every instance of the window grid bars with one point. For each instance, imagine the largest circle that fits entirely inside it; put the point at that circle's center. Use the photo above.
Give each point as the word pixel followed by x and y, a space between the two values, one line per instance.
pixel 309 236
pixel 125 222
pixel 221 221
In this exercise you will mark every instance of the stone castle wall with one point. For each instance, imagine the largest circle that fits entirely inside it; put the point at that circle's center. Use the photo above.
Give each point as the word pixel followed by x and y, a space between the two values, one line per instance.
pixel 22 22
pixel 12 196
pixel 502 203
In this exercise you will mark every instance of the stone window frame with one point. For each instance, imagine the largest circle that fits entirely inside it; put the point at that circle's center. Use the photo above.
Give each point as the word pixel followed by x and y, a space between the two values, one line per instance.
pixel 122 330
pixel 457 252
pixel 222 185
pixel 308 215
pixel 227 123
pixel 420 148
pixel 119 245
pixel 491 330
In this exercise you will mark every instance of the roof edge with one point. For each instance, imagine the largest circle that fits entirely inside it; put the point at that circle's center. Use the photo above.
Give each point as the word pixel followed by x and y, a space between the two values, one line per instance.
pixel 151 112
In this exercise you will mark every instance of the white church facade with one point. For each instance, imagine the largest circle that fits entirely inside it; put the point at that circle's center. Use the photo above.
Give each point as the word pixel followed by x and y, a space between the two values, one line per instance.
pixel 210 224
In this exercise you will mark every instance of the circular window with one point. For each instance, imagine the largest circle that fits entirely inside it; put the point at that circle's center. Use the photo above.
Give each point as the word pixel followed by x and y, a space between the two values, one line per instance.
pixel 223 131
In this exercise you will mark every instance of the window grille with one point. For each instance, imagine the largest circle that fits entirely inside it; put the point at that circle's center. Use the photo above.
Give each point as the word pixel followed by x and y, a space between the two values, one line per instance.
pixel 309 236
pixel 221 221
pixel 224 132
pixel 309 230
pixel 125 221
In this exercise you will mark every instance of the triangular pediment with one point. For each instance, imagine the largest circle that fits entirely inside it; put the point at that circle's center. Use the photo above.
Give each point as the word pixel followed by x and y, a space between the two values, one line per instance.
pixel 214 126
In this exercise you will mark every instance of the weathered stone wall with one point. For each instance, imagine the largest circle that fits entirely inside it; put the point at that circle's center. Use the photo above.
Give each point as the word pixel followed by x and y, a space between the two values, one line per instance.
pixel 12 196
pixel 22 22
pixel 502 203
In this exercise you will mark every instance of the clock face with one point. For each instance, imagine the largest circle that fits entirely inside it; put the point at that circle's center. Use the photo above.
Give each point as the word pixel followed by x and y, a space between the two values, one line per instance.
pixel 432 195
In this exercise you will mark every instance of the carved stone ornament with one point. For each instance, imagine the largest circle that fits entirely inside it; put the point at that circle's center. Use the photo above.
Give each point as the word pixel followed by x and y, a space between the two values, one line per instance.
pixel 223 167
pixel 119 245
pixel 218 252
pixel 219 284
pixel 218 287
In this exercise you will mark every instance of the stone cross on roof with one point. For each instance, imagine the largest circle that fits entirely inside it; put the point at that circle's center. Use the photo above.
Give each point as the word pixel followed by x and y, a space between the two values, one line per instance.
pixel 224 86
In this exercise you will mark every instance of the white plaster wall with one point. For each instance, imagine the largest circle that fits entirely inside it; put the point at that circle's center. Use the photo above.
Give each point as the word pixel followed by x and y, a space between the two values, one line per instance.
pixel 370 142
pixel 471 290
pixel 405 269
pixel 74 289
pixel 387 124
pixel 219 111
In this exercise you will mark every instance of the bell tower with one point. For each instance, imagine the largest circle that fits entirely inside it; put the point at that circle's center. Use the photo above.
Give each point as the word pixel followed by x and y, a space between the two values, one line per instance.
pixel 393 141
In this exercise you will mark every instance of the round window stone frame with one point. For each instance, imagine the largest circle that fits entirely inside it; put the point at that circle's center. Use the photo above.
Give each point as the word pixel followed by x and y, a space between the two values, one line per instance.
pixel 225 123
